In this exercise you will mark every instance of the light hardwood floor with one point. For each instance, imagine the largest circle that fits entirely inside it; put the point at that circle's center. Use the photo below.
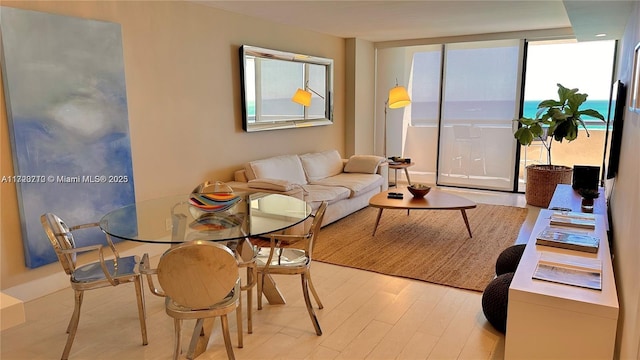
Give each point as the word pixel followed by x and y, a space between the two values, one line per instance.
pixel 366 316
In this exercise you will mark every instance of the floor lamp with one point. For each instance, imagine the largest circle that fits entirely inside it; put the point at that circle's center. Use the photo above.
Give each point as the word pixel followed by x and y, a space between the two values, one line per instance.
pixel 303 96
pixel 398 98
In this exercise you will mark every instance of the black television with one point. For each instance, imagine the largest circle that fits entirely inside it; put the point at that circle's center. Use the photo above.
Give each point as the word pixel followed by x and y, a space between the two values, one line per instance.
pixel 615 122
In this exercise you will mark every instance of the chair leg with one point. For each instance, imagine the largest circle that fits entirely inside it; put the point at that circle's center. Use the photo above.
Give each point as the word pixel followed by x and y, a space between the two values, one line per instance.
pixel 249 311
pixel 260 285
pixel 251 282
pixel 177 324
pixel 239 321
pixel 141 309
pixel 252 272
pixel 313 291
pixel 227 337
pixel 72 328
pixel 307 300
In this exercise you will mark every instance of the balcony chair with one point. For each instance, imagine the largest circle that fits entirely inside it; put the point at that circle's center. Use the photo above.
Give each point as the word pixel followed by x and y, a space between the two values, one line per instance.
pixel 538 142
pixel 245 252
pixel 279 258
pixel 469 148
pixel 199 280
pixel 103 273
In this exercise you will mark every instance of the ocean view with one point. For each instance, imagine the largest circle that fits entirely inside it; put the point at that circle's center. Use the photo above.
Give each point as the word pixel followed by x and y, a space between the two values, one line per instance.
pixel 602 106
pixel 424 113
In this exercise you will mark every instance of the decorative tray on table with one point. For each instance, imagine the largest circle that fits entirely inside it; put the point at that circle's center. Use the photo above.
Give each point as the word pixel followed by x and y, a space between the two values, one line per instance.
pixel 214 222
pixel 213 202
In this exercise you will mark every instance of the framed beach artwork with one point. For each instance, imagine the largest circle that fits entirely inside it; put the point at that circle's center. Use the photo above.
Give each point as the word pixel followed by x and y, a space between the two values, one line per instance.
pixel 634 90
pixel 66 103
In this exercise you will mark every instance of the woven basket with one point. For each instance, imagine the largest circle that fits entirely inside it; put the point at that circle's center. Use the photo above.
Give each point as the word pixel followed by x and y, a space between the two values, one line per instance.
pixel 542 181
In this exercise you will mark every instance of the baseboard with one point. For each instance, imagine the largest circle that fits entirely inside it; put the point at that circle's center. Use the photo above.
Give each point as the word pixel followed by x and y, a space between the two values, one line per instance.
pixel 11 311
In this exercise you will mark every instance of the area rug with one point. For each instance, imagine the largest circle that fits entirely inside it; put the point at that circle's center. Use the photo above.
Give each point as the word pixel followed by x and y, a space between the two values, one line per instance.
pixel 427 245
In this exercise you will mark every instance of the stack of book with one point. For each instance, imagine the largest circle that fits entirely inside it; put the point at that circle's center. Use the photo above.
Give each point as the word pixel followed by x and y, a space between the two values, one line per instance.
pixel 570 270
pixel 567 239
pixel 573 219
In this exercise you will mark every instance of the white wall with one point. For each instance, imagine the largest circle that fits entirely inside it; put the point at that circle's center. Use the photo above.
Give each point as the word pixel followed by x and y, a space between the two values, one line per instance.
pixel 360 89
pixel 625 208
pixel 391 69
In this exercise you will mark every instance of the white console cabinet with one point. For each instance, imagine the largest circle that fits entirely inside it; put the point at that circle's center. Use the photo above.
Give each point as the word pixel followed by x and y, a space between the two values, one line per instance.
pixel 549 320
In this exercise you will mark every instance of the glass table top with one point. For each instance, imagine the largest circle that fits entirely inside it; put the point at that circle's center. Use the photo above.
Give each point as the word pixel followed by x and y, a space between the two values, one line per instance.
pixel 176 219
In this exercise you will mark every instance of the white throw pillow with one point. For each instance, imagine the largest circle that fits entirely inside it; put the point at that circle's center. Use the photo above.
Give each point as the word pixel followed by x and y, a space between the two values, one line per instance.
pixel 321 165
pixel 285 167
pixel 366 164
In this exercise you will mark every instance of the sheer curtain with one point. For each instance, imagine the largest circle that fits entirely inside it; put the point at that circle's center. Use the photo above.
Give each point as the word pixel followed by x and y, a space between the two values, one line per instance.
pixel 479 104
pixel 420 136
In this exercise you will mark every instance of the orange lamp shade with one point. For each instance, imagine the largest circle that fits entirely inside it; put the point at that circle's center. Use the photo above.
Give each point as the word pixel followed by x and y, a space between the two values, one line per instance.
pixel 302 97
pixel 398 97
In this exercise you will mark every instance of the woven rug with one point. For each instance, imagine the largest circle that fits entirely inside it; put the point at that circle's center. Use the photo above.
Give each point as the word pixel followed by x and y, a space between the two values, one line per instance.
pixel 428 245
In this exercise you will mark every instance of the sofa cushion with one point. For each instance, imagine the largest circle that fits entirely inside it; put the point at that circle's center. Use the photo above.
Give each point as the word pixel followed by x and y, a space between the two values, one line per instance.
pixel 284 167
pixel 357 183
pixel 367 164
pixel 321 165
pixel 271 184
pixel 331 194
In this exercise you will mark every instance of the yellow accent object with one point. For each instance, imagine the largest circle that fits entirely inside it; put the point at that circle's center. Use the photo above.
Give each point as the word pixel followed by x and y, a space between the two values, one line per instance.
pixel 302 97
pixel 398 97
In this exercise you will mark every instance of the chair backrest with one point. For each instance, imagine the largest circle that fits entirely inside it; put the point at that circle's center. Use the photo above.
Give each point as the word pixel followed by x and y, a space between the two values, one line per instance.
pixel 314 231
pixel 61 238
pixel 198 274
pixel 465 132
pixel 461 132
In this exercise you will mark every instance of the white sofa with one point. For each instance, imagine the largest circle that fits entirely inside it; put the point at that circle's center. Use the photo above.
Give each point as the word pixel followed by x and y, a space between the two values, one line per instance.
pixel 347 184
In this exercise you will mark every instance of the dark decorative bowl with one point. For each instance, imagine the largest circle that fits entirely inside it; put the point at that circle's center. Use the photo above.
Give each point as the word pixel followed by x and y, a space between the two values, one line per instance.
pixel 420 191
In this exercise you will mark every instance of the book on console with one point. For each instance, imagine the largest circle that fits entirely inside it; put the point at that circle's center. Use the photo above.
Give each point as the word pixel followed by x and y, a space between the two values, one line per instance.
pixel 575 215
pixel 573 219
pixel 567 239
pixel 569 270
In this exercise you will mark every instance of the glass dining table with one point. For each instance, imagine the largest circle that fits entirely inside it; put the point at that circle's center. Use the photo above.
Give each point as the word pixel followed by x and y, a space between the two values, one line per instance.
pixel 175 219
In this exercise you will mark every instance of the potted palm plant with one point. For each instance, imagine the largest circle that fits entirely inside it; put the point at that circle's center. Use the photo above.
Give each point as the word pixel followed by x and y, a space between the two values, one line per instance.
pixel 559 120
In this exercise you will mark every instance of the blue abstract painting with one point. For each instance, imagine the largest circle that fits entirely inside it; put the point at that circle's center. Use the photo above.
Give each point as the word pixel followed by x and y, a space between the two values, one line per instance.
pixel 64 85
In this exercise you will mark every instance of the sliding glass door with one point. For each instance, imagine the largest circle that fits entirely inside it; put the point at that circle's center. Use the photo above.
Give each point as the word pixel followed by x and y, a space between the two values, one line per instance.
pixel 479 105
pixel 588 66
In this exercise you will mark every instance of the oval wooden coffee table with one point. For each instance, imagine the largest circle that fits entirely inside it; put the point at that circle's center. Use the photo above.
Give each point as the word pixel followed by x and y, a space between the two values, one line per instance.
pixel 434 200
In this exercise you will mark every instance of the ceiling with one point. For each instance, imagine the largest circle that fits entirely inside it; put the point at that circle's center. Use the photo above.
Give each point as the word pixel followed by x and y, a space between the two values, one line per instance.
pixel 391 20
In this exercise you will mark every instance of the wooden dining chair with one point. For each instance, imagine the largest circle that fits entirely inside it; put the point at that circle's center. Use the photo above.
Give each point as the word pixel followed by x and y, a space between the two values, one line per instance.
pixel 103 273
pixel 283 259
pixel 245 252
pixel 200 280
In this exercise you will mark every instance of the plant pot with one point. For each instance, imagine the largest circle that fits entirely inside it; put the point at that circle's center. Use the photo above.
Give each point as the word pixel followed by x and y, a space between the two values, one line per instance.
pixel 542 181
pixel 587 205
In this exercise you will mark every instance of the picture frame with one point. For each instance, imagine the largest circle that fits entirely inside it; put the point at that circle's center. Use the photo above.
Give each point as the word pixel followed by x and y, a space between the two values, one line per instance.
pixel 68 123
pixel 634 89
